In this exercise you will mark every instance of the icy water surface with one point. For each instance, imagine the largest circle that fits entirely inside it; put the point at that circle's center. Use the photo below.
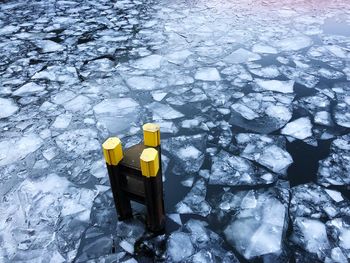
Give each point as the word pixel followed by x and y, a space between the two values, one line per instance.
pixel 253 99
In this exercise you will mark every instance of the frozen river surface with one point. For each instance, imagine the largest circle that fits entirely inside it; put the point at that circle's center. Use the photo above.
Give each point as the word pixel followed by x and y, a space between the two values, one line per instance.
pixel 253 99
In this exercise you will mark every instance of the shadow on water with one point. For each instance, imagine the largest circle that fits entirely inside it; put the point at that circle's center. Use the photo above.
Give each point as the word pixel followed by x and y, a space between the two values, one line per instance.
pixel 306 157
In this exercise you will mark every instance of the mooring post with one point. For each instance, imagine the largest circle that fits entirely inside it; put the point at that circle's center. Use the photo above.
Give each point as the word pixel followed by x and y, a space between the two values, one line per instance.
pixel 113 153
pixel 150 168
pixel 151 138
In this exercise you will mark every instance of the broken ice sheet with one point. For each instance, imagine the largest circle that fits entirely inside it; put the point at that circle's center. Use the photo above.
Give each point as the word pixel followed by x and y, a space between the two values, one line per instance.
pixel 269 151
pixel 258 222
pixel 262 112
pixel 342 109
pixel 300 128
pixel 231 170
pixel 319 228
pixel 163 111
pixel 188 152
pixel 116 115
pixel 49 214
pixel 78 142
pixel 195 242
pixel 314 201
pixel 335 169
pixel 194 202
pixel 207 74
pixel 25 145
pixel 8 108
pixel 274 85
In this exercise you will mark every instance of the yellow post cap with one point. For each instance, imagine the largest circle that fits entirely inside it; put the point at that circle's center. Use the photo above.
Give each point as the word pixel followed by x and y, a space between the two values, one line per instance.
pixel 112 150
pixel 151 134
pixel 149 162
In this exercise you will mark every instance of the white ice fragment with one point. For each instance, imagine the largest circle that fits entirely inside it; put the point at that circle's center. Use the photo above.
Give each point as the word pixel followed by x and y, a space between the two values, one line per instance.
pixel 323 118
pixel 176 218
pixel 245 111
pixel 142 82
pixel 241 55
pixel 313 234
pixel 259 48
pixel 158 95
pixel 79 142
pixel 178 57
pixel 7 108
pixel 293 43
pixel 62 121
pixel 189 152
pixel 163 111
pixel 15 149
pixel 257 229
pixel 149 62
pixel 49 46
pixel 207 74
pixel 28 89
pixel 127 246
pixel 299 129
pixel 179 246
pixel 275 158
pixel 336 196
pixel 276 85
pixel 78 104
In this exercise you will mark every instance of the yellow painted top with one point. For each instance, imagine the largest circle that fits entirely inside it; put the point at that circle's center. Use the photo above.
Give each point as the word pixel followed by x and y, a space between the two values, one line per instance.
pixel 149 162
pixel 112 150
pixel 151 134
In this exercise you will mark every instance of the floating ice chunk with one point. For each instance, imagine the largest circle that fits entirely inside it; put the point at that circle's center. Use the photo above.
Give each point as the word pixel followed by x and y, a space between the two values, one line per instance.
pixel 78 142
pixel 49 153
pixel 299 129
pixel 194 202
pixel 64 74
pixel 323 118
pixel 336 196
pixel 269 151
pixel 48 221
pixel 158 95
pixel 276 85
pixel 293 43
pixel 142 83
pixel 259 48
pixel 8 108
pixel 28 89
pixel 47 46
pixel 299 76
pixel 117 114
pixel 313 235
pixel 335 169
pixel 78 104
pixel 245 111
pixel 233 170
pixel 207 74
pixel 178 57
pixel 275 158
pixel 15 149
pixel 192 150
pixel 149 62
pixel 63 96
pixel 262 112
pixel 62 121
pixel 241 55
pixel 176 218
pixel 163 111
pixel 179 246
pixel 257 229
pixel 312 201
pixel 266 72
pixel 342 109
